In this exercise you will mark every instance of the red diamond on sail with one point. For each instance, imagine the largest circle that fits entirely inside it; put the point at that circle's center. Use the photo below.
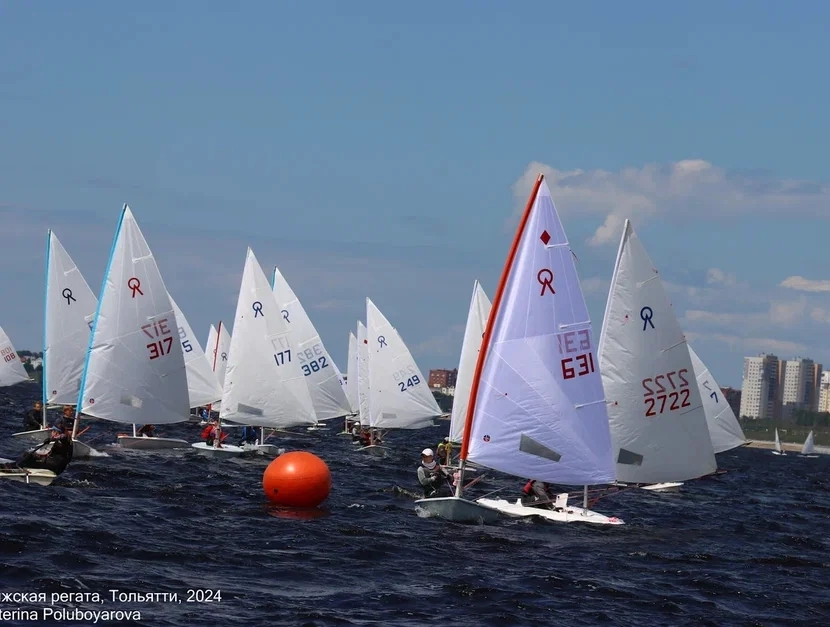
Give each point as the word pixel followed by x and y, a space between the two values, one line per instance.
pixel 545 237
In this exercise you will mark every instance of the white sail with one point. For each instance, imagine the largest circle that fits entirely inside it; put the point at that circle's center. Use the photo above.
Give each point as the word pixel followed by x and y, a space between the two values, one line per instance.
pixel 11 370
pixel 724 430
pixel 70 309
pixel 223 348
pixel 134 370
pixel 399 395
pixel 351 374
pixel 658 424
pixel 211 347
pixel 264 385
pixel 470 348
pixel 540 408
pixel 777 441
pixel 362 375
pixel 202 384
pixel 809 445
pixel 321 374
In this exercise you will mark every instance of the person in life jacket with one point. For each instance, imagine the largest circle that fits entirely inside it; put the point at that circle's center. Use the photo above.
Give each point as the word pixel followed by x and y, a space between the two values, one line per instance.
pixel 146 430
pixel 211 431
pixel 431 475
pixel 249 436
pixel 444 451
pixel 54 454
pixel 31 421
pixel 204 414
pixel 537 492
pixel 66 422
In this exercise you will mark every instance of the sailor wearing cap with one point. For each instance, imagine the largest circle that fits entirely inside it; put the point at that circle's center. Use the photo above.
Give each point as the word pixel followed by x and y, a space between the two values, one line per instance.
pixel 430 474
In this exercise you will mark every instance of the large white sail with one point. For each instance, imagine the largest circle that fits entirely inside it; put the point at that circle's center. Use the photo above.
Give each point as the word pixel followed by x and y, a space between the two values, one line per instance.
pixel 399 395
pixel 724 430
pixel 351 374
pixel 321 374
pixel 470 348
pixel 362 375
pixel 264 384
pixel 11 368
pixel 70 309
pixel 202 384
pixel 658 424
pixel 211 345
pixel 809 445
pixel 540 408
pixel 134 370
pixel 223 348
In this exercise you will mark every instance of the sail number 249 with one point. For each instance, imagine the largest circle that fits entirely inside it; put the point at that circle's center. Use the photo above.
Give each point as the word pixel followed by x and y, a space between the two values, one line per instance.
pixel 659 399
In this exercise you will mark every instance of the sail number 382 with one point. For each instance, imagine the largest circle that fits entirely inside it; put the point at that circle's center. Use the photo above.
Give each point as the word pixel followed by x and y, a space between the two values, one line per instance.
pixel 659 399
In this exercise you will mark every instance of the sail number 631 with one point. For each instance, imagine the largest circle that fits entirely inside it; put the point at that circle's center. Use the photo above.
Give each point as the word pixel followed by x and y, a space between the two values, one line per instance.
pixel 585 362
pixel 656 399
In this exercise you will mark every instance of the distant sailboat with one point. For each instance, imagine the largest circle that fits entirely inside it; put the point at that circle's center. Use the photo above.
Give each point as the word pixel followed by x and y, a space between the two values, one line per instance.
pixel 264 383
pixel 537 407
pixel 808 450
pixel 134 372
pixel 218 345
pixel 362 376
pixel 321 374
pixel 778 450
pixel 399 394
pixel 658 423
pixel 12 371
pixel 351 383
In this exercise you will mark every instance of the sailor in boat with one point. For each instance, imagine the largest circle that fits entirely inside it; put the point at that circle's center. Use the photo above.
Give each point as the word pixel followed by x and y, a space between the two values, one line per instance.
pixel 204 414
pixel 356 432
pixel 54 454
pixel 65 423
pixel 249 436
pixel 431 475
pixel 538 494
pixel 444 450
pixel 147 431
pixel 31 421
pixel 211 432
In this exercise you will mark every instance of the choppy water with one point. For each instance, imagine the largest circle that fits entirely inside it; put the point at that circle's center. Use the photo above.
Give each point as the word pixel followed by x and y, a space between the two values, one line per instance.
pixel 747 548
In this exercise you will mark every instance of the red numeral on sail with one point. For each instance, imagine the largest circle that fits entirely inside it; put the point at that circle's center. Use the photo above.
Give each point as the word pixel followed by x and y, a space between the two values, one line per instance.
pixel 660 399
pixel 159 331
pixel 577 366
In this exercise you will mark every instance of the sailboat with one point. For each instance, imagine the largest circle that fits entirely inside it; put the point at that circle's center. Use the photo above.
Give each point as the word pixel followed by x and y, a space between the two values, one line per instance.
pixel 321 374
pixel 470 347
pixel 264 383
pixel 658 423
pixel 12 371
pixel 536 408
pixel 351 383
pixel 68 314
pixel 218 345
pixel 808 450
pixel 724 429
pixel 778 450
pixel 399 394
pixel 134 370
pixel 362 378
pixel 203 387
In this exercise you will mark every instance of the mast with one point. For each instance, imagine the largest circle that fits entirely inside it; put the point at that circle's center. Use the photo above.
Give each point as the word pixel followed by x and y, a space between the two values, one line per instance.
pixel 488 332
pixel 43 381
pixel 210 405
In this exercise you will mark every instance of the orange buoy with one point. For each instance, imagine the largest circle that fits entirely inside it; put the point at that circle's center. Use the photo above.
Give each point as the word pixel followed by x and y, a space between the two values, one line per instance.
pixel 297 479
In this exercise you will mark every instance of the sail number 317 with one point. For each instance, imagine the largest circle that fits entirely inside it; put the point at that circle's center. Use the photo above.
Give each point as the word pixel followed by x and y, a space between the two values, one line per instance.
pixel 659 399
pixel 159 332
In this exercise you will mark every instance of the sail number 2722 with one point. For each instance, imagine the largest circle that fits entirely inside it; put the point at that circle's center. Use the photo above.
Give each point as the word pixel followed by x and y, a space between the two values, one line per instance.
pixel 659 399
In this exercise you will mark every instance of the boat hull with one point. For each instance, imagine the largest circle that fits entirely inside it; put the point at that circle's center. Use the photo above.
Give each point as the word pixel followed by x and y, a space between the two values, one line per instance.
pixel 81 450
pixel 34 476
pixel 38 435
pixel 141 443
pixel 568 515
pixel 374 449
pixel 669 486
pixel 458 510
pixel 263 449
pixel 226 450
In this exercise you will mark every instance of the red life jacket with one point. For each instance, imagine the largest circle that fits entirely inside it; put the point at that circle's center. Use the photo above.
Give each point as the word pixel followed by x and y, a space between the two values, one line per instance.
pixel 206 432
pixel 528 487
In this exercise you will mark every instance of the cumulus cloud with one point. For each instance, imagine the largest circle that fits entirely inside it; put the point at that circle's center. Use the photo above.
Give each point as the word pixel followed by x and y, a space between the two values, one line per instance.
pixel 716 276
pixel 751 344
pixel 779 313
pixel 805 285
pixel 691 186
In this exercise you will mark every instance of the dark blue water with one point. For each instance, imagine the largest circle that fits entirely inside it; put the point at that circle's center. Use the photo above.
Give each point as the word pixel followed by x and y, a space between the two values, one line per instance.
pixel 747 548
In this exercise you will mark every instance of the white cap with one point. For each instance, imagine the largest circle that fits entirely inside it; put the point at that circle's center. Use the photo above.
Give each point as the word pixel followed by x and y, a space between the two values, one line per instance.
pixel 427 452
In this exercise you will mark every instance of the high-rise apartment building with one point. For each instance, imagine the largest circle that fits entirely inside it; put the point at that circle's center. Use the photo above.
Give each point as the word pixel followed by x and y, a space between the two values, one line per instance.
pixel 759 390
pixel 824 392
pixel 798 390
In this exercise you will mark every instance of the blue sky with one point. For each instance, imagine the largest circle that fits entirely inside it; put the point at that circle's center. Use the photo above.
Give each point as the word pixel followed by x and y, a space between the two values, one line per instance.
pixel 381 149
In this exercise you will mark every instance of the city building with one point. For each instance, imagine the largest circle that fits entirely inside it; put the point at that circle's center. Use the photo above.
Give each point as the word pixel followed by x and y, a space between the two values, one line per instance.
pixel 759 389
pixel 439 379
pixel 824 392
pixel 800 386
pixel 733 399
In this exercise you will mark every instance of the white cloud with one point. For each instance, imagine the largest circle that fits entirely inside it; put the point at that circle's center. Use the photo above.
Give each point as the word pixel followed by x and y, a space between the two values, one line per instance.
pixel 820 315
pixel 691 186
pixel 751 344
pixel 716 276
pixel 805 285
pixel 779 313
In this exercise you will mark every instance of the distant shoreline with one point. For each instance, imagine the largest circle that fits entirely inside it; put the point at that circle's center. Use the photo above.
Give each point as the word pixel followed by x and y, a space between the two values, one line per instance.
pixel 787 446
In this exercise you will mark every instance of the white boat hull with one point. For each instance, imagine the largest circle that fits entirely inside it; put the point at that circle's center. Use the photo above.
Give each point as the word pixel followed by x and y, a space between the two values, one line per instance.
pixel 568 515
pixel 263 449
pixel 226 450
pixel 84 451
pixel 374 449
pixel 142 443
pixel 673 486
pixel 778 453
pixel 458 510
pixel 809 456
pixel 320 426
pixel 36 476
pixel 38 435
